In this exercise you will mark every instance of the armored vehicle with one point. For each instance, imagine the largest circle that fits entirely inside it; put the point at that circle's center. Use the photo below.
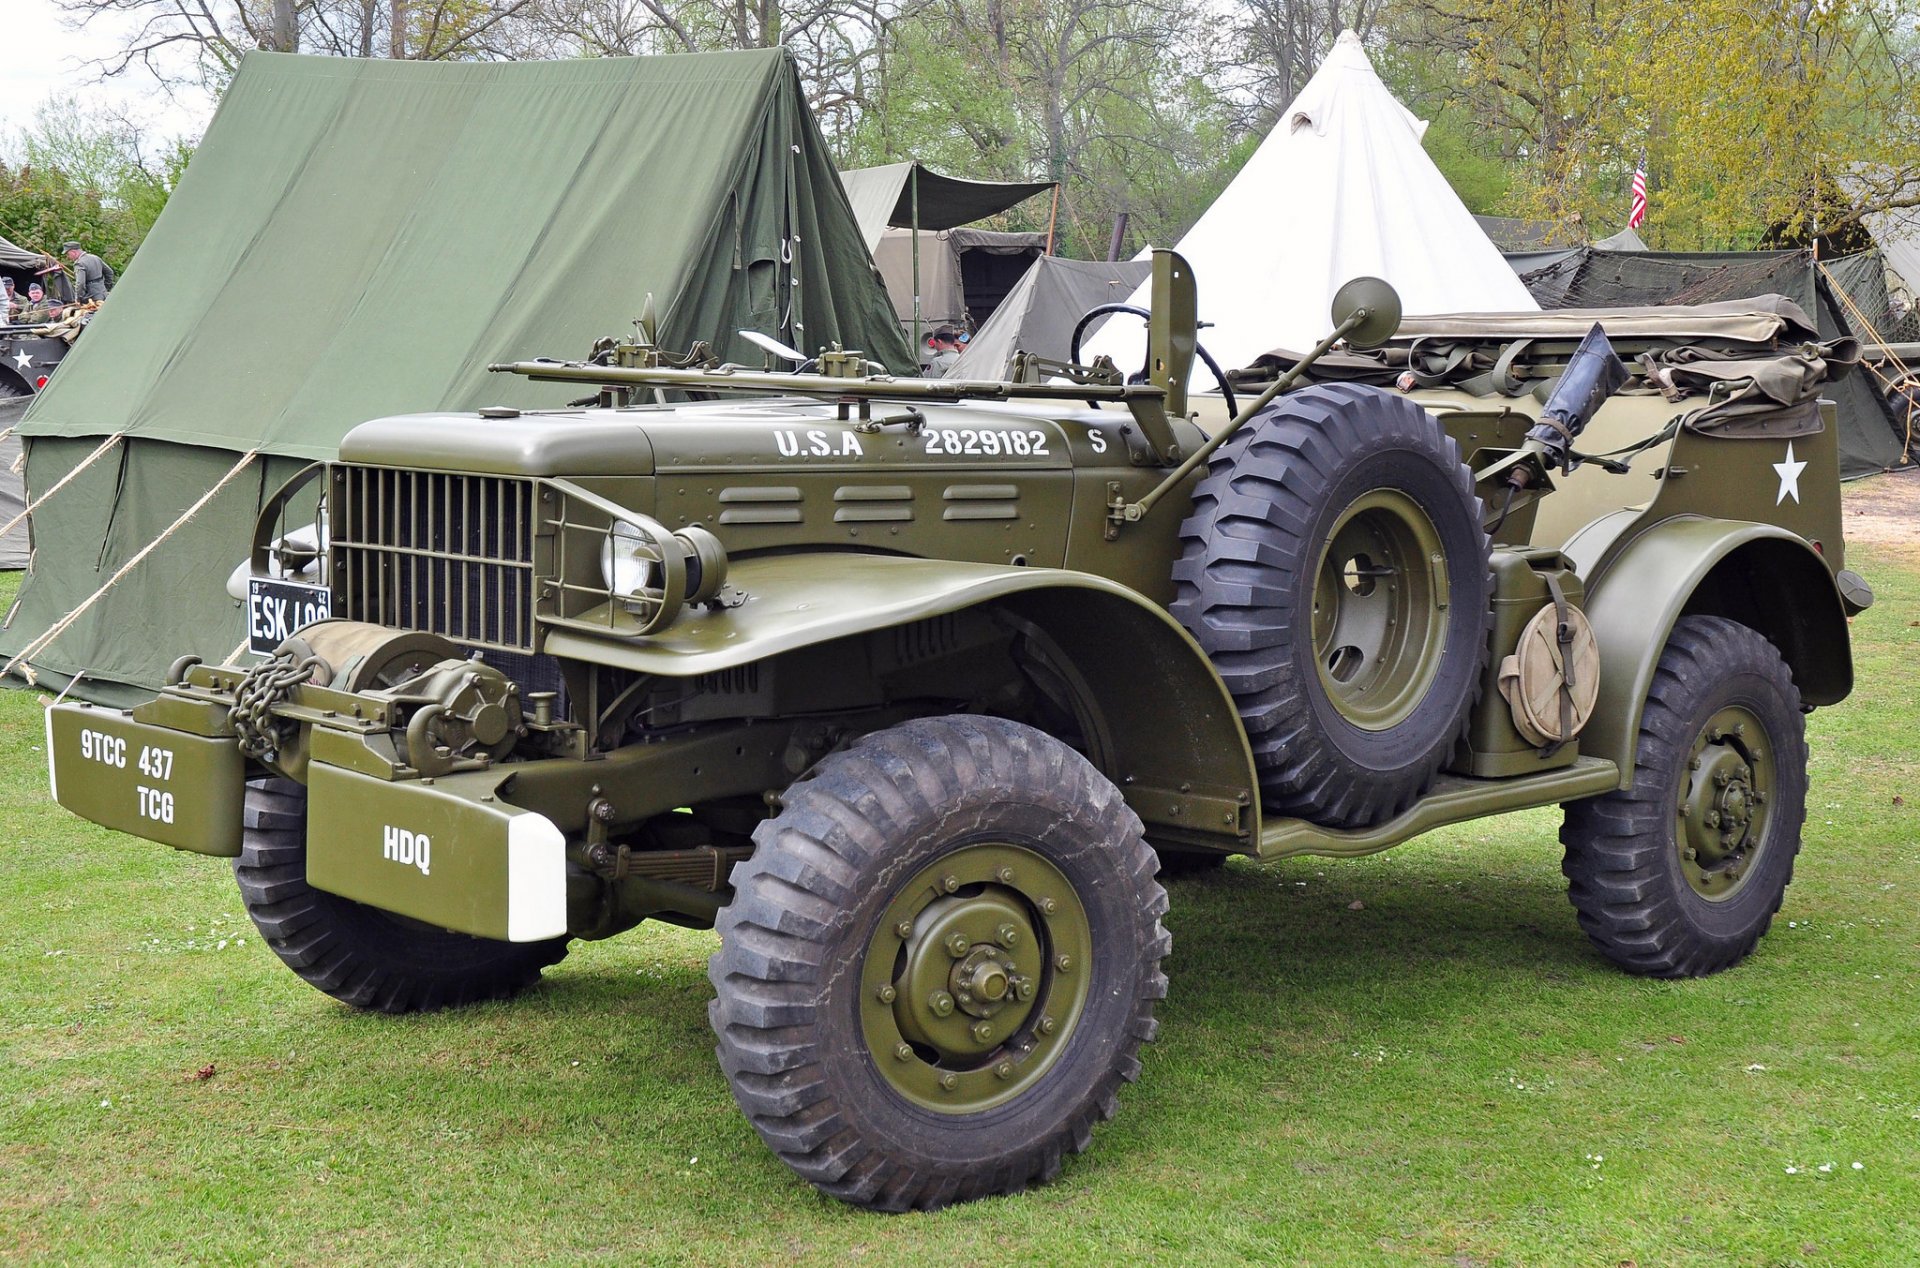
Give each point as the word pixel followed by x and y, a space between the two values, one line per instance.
pixel 914 689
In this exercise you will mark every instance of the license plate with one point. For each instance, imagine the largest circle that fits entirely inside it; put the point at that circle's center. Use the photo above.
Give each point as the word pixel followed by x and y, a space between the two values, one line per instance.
pixel 277 609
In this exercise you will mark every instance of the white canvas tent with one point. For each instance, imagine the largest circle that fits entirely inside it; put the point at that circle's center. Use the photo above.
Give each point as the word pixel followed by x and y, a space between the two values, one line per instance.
pixel 1339 189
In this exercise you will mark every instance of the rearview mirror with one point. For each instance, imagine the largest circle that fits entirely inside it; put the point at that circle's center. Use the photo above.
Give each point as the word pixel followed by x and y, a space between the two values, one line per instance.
pixel 1379 306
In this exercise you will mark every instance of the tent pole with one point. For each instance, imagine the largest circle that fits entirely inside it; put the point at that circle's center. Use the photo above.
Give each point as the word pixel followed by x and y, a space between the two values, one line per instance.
pixel 913 178
pixel 1053 216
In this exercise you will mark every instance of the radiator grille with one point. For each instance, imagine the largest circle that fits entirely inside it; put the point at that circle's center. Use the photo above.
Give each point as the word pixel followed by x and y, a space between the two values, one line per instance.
pixel 424 550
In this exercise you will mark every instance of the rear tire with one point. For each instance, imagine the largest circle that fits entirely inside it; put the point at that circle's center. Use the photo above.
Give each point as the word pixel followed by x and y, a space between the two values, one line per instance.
pixel 939 964
pixel 1680 875
pixel 358 954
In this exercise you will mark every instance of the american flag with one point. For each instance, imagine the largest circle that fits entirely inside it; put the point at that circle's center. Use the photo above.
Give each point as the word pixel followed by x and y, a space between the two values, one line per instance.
pixel 1638 212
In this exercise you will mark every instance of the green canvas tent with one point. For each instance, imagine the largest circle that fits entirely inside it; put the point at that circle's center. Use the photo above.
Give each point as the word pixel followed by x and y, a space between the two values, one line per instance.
pixel 356 238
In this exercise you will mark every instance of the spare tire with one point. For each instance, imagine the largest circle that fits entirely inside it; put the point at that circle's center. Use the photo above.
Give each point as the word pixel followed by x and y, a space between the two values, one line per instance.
pixel 1335 570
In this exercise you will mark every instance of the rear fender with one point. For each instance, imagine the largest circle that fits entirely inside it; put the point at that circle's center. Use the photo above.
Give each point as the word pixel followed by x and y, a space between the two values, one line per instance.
pixel 1757 574
pixel 1155 716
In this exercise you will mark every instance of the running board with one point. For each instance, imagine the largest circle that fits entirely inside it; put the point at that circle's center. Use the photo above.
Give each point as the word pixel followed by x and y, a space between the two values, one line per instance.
pixel 1452 799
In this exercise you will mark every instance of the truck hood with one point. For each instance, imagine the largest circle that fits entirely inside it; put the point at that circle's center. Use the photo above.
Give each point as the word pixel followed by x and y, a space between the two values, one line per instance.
pixel 723 435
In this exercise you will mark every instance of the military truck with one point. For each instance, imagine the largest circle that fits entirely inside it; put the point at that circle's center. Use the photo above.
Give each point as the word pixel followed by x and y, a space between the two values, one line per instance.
pixel 28 357
pixel 915 689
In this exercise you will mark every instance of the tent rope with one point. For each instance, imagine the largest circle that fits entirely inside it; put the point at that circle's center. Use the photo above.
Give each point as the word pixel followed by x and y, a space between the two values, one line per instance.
pixel 59 627
pixel 1887 384
pixel 59 484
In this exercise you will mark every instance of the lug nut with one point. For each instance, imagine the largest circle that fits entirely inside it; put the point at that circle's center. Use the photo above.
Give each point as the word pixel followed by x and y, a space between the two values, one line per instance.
pixel 1046 1025
pixel 904 929
pixel 949 882
pixel 1007 935
pixel 1713 818
pixel 957 945
pixel 903 1051
pixel 982 1031
pixel 1004 1069
pixel 1047 906
pixel 1024 988
pixel 941 1003
pixel 949 1081
pixel 1004 876
pixel 1690 854
pixel 1064 963
pixel 887 994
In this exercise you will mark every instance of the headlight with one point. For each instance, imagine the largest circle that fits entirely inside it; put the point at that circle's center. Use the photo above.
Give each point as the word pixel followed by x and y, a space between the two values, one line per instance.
pixel 628 560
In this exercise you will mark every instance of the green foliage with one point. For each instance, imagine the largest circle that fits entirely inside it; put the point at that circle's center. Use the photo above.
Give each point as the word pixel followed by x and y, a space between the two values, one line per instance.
pixel 84 175
pixel 1761 120
pixel 1752 117
pixel 1412 1058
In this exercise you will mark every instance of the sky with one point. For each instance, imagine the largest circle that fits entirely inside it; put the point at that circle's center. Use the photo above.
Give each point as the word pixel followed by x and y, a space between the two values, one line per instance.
pixel 42 59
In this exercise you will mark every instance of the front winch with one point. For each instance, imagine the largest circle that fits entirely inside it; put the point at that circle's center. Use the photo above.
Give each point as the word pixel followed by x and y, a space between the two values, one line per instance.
pixel 466 711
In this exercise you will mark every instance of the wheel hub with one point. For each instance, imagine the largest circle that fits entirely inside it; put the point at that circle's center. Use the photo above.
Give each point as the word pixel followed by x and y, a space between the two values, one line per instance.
pixel 1379 609
pixel 1723 803
pixel 975 977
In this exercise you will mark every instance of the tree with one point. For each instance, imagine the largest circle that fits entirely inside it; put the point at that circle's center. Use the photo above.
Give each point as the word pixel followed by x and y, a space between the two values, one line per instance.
pixel 1107 96
pixel 85 173
pixel 1280 43
pixel 218 33
pixel 1750 112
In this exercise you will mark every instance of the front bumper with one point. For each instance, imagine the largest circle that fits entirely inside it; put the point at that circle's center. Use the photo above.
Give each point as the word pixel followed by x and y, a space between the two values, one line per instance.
pixel 445 852
pixel 166 785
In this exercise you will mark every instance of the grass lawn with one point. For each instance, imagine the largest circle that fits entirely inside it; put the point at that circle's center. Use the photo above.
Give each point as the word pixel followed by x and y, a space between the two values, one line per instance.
pixel 1412 1057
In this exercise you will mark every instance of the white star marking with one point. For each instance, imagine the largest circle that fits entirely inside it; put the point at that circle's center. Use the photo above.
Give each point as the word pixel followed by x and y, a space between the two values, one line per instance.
pixel 1789 476
pixel 22 360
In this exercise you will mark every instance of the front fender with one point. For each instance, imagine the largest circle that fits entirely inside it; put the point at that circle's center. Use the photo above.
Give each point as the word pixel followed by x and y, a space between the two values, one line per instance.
pixel 1758 574
pixel 1157 718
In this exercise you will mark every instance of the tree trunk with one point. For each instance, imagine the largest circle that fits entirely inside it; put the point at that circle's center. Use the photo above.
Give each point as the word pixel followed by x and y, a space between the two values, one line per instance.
pixel 397 28
pixel 286 32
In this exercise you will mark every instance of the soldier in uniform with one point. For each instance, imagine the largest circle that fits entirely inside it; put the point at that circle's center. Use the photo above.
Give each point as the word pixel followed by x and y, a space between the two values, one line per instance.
pixel 943 349
pixel 89 273
pixel 39 310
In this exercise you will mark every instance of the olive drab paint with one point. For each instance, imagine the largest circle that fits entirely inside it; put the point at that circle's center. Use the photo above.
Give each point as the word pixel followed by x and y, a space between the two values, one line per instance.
pixel 497 740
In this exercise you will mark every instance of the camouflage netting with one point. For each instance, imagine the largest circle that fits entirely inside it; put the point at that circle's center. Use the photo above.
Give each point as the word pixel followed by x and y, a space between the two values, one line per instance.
pixel 1847 297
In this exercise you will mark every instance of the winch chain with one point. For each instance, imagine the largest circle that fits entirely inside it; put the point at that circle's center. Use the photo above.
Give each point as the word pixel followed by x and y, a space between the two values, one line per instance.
pixel 263 735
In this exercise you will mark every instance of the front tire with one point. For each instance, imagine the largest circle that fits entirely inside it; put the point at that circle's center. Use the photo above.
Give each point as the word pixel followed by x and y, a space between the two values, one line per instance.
pixel 1681 874
pixel 939 964
pixel 358 954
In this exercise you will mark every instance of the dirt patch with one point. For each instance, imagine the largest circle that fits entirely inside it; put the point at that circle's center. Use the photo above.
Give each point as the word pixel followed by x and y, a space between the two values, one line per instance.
pixel 1883 509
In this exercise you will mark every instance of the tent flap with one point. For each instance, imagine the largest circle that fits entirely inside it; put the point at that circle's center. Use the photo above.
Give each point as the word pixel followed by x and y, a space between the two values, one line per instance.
pixel 883 198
